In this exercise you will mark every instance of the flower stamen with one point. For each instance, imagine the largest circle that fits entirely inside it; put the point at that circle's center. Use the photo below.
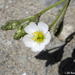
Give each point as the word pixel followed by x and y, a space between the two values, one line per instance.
pixel 32 38
pixel 38 36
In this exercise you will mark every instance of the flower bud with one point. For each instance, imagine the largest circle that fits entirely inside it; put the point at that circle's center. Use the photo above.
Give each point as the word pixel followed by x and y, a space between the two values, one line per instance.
pixel 58 28
pixel 19 33
pixel 11 25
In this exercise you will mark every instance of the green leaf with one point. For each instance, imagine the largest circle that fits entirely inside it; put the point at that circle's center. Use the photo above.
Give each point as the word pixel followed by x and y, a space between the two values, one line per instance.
pixel 58 28
pixel 11 25
pixel 19 33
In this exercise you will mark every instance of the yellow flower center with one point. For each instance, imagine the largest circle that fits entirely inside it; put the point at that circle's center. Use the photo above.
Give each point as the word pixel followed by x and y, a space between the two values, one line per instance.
pixel 38 36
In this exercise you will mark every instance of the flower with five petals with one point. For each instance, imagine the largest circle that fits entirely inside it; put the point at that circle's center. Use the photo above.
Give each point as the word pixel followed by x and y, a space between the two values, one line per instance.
pixel 38 36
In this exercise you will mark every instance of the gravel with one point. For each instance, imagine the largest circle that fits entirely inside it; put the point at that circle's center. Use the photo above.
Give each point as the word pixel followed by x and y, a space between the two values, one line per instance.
pixel 15 58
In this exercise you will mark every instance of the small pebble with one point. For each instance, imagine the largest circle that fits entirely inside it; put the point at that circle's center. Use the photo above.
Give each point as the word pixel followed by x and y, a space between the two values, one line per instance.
pixel 24 74
pixel 8 43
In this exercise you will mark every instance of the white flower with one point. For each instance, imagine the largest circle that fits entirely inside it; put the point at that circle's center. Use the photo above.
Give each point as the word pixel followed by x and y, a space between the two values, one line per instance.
pixel 24 74
pixel 38 36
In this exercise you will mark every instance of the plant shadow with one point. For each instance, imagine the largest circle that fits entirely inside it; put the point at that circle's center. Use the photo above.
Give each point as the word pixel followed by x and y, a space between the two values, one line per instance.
pixel 55 56
pixel 67 66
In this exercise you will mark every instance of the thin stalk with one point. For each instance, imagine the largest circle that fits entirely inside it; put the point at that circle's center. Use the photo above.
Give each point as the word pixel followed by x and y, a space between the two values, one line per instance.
pixel 43 11
pixel 65 9
pixel 26 19
pixel 66 5
pixel 48 8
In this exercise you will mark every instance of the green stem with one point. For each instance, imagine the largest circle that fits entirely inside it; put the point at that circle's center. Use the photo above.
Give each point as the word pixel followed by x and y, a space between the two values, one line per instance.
pixel 43 11
pixel 26 19
pixel 59 14
pixel 48 8
pixel 65 9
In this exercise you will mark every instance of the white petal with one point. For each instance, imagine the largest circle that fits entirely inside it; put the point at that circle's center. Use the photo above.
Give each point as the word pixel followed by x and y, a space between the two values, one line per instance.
pixel 38 47
pixel 32 27
pixel 28 41
pixel 47 38
pixel 43 27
